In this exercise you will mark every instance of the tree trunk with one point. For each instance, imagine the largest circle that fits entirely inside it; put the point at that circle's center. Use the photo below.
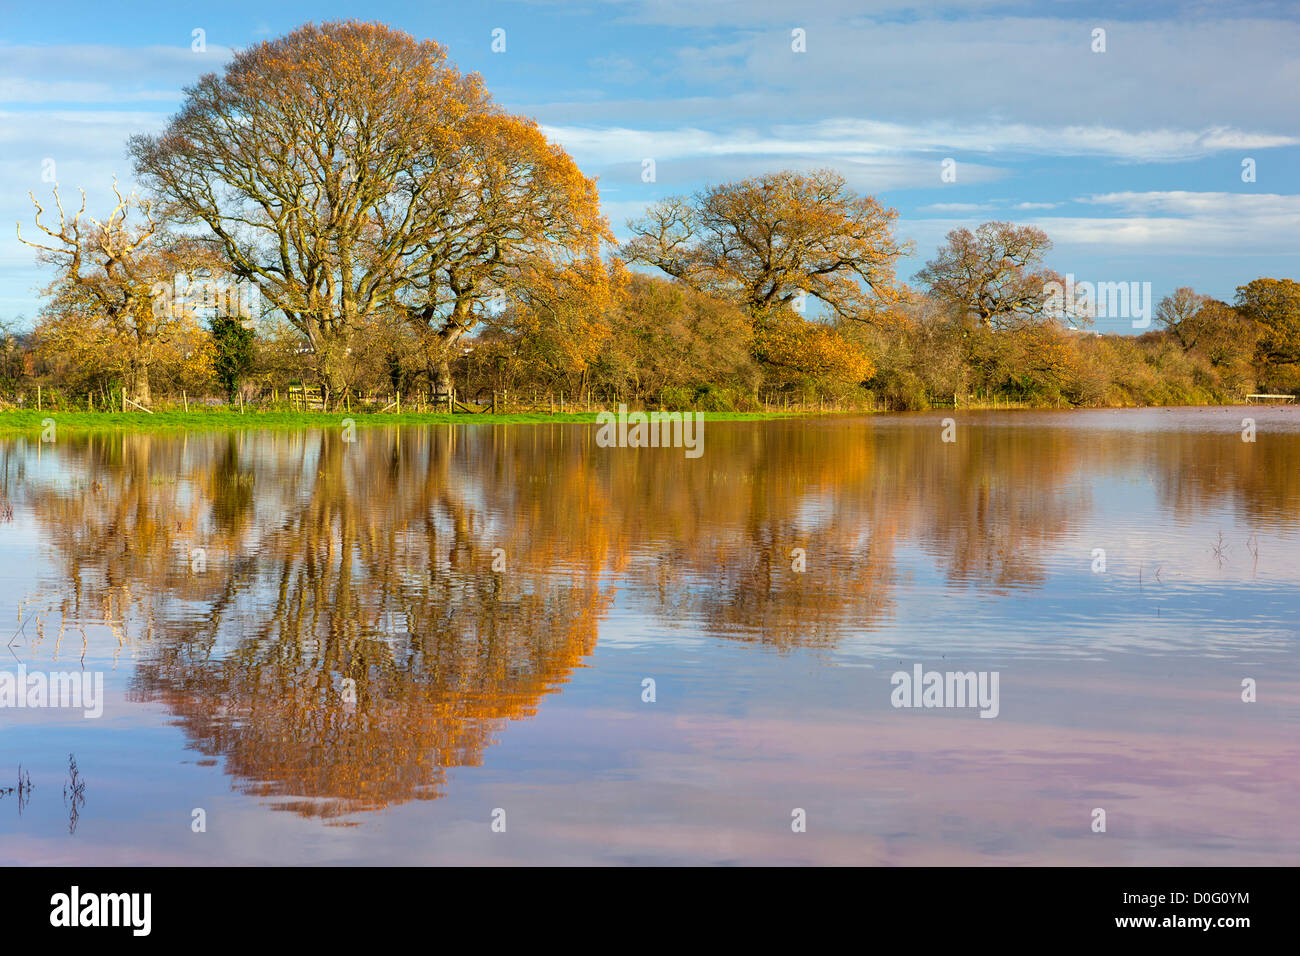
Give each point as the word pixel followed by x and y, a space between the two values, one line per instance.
pixel 442 364
pixel 140 384
pixel 442 382
pixel 331 356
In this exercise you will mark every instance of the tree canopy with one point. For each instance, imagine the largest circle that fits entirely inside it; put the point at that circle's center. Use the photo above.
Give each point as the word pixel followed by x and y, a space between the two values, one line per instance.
pixel 1274 306
pixel 994 274
pixel 349 169
pixel 766 241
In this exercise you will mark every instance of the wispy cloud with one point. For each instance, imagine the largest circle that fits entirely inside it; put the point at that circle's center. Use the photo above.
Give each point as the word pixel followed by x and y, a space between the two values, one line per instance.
pixel 862 138
pixel 101 73
pixel 958 207
pixel 1184 203
pixel 1225 224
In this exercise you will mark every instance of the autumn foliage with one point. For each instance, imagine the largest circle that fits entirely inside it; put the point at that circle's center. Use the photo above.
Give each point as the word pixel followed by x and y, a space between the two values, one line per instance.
pixel 406 233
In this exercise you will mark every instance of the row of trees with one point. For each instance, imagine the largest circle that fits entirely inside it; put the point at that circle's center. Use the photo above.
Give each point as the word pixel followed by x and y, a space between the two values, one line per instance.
pixel 1200 350
pixel 404 232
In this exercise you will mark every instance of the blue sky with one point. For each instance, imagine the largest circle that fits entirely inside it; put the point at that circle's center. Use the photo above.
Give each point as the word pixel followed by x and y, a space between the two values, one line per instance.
pixel 1130 159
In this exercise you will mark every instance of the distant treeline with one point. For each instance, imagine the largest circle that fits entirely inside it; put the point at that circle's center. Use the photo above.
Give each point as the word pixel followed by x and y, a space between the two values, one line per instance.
pixel 406 236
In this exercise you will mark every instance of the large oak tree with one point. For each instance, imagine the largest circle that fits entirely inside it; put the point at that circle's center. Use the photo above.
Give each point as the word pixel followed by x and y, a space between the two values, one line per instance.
pixel 995 275
pixel 353 172
pixel 765 242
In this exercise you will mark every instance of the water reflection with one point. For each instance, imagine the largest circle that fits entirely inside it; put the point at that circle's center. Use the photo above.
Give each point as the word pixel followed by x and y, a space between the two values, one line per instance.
pixel 324 616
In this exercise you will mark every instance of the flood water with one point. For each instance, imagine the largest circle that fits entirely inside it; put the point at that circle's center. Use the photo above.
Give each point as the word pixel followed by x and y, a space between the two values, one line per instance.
pixel 305 639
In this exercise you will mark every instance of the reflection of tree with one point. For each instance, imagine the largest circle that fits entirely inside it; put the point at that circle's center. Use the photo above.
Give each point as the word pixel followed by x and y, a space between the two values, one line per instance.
pixel 721 530
pixel 365 563
pixel 1197 473
pixel 370 562
pixel 989 504
pixel 426 699
pixel 713 538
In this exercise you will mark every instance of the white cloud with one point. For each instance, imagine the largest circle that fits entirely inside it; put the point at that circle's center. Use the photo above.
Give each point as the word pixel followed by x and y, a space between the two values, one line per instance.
pixel 862 139
pixel 1184 203
pixel 1031 70
pixel 98 73
pixel 958 207
pixel 755 13
pixel 26 90
pixel 1221 224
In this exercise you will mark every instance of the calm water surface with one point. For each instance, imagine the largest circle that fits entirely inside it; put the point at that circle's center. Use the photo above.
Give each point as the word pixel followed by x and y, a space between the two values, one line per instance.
pixel 232 589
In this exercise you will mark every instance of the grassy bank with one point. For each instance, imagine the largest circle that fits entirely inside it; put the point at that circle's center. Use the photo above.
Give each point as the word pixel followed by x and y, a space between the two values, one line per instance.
pixel 30 422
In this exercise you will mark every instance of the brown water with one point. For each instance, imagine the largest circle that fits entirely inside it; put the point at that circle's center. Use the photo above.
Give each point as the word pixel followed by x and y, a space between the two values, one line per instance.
pixel 520 690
